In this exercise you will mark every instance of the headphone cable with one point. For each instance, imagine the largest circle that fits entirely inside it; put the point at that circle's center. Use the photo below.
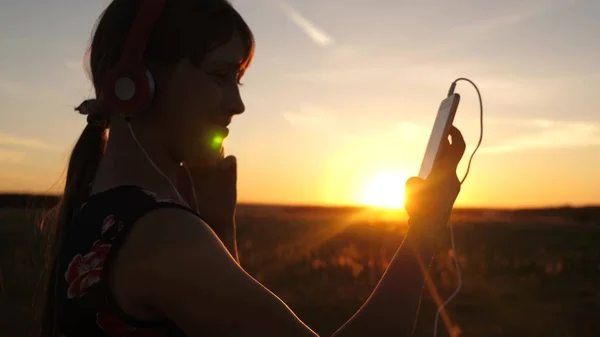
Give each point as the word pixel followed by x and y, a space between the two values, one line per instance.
pixel 452 242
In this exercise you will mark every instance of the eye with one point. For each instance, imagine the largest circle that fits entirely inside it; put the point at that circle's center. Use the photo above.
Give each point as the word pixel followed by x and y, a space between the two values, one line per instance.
pixel 223 76
pixel 220 76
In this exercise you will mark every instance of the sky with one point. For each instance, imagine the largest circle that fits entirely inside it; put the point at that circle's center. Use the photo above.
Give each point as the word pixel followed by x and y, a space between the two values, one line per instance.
pixel 342 95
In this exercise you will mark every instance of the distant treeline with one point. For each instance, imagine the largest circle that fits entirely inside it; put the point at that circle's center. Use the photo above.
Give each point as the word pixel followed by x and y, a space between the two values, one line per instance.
pixel 585 214
pixel 28 201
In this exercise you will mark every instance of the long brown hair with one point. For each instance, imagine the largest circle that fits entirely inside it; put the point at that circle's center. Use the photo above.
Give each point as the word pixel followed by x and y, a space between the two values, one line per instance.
pixel 186 29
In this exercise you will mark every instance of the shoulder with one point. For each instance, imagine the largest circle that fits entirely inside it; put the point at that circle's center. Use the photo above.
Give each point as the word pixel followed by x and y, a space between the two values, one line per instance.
pixel 163 233
pixel 136 220
pixel 166 228
pixel 166 241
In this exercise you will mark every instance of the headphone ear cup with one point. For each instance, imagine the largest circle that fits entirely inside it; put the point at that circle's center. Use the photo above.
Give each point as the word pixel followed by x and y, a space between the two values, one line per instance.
pixel 151 87
pixel 128 90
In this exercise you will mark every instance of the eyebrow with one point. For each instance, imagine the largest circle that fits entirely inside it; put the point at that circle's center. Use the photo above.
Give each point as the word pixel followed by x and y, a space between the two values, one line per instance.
pixel 229 64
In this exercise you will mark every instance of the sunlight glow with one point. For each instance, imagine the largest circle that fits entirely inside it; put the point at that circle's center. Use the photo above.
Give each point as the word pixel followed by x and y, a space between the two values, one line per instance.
pixel 385 190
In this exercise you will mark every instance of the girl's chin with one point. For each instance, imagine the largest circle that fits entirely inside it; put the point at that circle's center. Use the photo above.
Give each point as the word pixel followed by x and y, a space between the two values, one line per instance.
pixel 208 156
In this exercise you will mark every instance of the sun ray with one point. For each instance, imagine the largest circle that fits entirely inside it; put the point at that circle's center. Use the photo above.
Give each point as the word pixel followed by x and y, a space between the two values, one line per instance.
pixel 385 190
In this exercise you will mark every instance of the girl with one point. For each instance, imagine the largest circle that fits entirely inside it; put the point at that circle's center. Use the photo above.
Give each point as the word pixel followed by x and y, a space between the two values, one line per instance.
pixel 139 251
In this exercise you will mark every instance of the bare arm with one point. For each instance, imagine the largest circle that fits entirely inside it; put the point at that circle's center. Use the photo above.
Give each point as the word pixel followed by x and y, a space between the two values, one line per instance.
pixel 174 265
pixel 227 233
pixel 391 310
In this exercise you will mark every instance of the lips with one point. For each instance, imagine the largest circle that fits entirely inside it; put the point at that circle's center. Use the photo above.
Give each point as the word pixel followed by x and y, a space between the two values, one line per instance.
pixel 215 135
pixel 218 127
pixel 221 131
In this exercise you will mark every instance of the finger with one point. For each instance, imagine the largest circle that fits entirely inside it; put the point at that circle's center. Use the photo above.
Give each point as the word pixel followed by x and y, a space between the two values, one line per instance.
pixel 458 147
pixel 444 146
pixel 451 154
pixel 458 141
pixel 229 169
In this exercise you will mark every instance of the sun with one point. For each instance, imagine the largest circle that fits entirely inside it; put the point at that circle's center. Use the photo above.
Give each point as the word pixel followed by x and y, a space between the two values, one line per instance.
pixel 385 190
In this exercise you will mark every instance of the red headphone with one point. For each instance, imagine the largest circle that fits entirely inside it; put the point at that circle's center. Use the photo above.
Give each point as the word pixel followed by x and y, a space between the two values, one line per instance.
pixel 129 85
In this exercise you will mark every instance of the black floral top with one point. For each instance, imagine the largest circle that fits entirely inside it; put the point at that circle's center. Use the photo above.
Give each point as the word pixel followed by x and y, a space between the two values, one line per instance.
pixel 86 305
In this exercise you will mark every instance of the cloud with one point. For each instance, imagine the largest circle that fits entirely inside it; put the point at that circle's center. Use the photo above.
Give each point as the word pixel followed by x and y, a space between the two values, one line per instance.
pixel 341 75
pixel 388 67
pixel 360 63
pixel 316 34
pixel 12 88
pixel 507 89
pixel 525 11
pixel 310 118
pixel 317 120
pixel 493 24
pixel 548 134
pixel 48 94
pixel 538 134
pixel 519 135
pixel 29 143
pixel 11 157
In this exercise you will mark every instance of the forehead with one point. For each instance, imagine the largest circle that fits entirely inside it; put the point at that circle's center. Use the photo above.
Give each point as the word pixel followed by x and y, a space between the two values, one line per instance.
pixel 232 52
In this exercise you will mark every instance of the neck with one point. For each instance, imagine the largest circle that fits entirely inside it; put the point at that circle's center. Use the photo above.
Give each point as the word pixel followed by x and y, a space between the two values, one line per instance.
pixel 124 163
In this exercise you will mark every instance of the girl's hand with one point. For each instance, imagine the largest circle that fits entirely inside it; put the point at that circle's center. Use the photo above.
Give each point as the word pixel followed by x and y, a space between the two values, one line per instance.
pixel 216 191
pixel 429 202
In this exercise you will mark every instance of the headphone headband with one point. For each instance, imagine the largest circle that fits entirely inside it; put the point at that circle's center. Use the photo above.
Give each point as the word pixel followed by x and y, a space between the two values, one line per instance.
pixel 129 86
pixel 141 29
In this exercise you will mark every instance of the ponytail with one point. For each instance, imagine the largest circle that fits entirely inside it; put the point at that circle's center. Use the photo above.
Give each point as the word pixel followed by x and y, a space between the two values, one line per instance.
pixel 85 157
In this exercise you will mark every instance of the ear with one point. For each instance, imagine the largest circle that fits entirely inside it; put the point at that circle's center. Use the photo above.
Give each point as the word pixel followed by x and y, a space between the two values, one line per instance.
pixel 160 72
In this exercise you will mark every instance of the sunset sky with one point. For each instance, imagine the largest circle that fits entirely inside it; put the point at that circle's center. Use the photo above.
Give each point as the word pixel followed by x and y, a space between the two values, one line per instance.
pixel 342 92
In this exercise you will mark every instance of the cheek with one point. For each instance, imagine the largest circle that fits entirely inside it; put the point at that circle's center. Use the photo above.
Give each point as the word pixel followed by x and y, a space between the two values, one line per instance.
pixel 195 108
pixel 199 94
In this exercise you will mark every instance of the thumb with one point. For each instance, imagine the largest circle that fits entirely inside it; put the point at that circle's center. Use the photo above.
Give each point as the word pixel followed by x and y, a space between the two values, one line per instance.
pixel 228 163
pixel 412 189
pixel 413 186
pixel 228 168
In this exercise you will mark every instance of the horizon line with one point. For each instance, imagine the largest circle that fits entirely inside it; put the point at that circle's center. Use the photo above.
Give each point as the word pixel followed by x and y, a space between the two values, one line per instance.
pixel 325 205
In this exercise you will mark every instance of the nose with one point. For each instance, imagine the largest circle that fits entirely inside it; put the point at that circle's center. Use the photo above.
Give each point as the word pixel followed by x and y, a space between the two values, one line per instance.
pixel 234 104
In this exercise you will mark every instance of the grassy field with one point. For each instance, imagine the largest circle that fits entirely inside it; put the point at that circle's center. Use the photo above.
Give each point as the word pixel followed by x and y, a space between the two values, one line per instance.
pixel 526 273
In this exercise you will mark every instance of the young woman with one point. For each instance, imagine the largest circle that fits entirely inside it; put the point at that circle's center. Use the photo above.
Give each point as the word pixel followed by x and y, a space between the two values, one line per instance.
pixel 141 252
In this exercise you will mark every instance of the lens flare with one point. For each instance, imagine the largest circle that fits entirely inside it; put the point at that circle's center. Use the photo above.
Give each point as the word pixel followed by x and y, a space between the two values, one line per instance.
pixel 217 141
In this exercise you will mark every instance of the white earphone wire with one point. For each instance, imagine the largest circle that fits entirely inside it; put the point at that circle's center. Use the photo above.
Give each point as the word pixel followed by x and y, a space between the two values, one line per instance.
pixel 189 174
pixel 454 252
pixel 161 172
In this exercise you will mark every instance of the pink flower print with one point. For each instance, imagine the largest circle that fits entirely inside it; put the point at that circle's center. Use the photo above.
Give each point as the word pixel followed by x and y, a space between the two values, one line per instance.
pixel 85 270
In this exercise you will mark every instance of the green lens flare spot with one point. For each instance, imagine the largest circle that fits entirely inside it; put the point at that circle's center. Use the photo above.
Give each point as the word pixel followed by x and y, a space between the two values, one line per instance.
pixel 217 141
